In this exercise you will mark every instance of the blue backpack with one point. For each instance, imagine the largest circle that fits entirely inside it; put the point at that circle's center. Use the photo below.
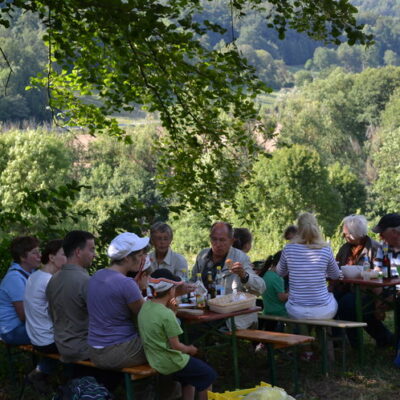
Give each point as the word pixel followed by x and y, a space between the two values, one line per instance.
pixel 86 388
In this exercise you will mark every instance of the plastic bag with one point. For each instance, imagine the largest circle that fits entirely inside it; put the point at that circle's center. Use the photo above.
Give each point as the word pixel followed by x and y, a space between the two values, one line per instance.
pixel 268 393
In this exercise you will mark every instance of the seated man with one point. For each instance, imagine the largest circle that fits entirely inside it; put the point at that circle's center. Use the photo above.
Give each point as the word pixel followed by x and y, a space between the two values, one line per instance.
pixel 239 274
pixel 26 255
pixel 162 256
pixel 66 293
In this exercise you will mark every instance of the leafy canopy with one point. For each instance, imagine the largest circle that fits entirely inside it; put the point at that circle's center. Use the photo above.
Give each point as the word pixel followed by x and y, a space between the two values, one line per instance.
pixel 147 53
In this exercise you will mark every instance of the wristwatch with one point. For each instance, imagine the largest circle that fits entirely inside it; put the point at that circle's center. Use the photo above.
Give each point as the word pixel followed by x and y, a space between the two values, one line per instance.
pixel 245 279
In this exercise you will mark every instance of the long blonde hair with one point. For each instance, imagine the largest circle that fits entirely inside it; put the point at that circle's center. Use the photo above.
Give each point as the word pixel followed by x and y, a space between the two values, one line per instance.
pixel 308 232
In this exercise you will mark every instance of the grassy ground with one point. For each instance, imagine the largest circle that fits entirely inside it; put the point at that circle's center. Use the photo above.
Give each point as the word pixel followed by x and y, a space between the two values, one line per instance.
pixel 376 379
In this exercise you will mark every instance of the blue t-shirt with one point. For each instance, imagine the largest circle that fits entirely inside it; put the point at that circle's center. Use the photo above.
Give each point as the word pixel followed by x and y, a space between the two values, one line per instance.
pixel 12 289
pixel 110 318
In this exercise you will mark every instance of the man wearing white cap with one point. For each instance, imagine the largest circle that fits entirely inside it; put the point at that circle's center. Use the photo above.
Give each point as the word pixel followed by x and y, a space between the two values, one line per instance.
pixel 113 299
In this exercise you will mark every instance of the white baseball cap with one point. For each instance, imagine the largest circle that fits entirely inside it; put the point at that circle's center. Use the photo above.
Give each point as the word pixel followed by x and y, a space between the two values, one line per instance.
pixel 124 244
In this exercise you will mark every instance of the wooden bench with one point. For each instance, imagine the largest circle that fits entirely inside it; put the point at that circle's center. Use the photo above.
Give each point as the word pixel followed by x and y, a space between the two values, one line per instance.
pixel 130 374
pixel 321 326
pixel 276 340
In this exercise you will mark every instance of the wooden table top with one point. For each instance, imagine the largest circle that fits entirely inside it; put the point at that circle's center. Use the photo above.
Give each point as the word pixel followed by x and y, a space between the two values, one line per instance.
pixel 213 316
pixel 371 282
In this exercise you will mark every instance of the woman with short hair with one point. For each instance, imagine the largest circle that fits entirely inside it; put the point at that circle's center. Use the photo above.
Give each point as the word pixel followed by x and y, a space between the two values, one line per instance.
pixel 359 245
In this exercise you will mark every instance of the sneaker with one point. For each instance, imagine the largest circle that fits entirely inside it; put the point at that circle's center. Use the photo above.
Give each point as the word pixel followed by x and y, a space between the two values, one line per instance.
pixel 260 347
pixel 39 381
pixel 308 356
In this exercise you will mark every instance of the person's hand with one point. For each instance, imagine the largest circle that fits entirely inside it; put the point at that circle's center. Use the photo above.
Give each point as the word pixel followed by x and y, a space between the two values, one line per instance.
pixel 185 288
pixel 173 305
pixel 237 268
pixel 192 350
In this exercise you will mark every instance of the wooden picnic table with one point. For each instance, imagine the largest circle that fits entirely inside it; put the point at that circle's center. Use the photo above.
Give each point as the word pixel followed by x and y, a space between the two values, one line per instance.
pixel 370 284
pixel 211 316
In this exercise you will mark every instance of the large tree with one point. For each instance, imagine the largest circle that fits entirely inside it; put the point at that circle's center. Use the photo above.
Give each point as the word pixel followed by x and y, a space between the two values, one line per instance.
pixel 149 53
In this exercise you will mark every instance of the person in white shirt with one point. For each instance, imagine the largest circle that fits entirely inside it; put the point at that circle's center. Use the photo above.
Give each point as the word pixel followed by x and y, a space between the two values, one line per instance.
pixel 39 325
pixel 163 257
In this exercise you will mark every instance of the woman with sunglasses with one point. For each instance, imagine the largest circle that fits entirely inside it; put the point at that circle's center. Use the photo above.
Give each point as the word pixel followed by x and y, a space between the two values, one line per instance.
pixel 359 248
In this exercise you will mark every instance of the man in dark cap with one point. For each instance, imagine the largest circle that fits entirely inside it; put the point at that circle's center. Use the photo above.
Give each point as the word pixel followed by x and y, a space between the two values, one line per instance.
pixel 389 231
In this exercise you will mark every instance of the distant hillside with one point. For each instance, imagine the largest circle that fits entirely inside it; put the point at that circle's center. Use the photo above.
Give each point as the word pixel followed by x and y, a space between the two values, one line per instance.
pixel 389 8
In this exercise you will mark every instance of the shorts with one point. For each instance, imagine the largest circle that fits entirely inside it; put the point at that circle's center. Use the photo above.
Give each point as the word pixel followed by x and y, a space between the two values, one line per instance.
pixel 119 356
pixel 327 311
pixel 196 373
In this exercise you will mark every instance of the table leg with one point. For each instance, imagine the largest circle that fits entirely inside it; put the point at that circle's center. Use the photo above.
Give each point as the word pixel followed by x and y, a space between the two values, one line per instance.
pixel 359 318
pixel 396 320
pixel 321 331
pixel 235 353
pixel 271 362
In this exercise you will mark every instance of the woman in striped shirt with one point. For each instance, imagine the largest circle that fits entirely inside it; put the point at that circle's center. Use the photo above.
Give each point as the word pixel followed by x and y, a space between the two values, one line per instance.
pixel 308 260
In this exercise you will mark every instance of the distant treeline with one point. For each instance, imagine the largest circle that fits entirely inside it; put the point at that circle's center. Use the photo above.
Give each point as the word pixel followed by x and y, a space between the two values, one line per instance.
pixel 336 153
pixel 273 58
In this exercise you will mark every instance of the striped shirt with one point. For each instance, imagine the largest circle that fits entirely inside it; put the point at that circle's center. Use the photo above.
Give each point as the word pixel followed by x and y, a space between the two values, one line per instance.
pixel 308 269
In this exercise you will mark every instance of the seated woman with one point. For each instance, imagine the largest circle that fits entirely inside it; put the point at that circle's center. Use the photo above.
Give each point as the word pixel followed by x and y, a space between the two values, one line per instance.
pixel 39 326
pixel 112 300
pixel 161 236
pixel 308 260
pixel 242 239
pixel 358 245
pixel 26 255
pixel 274 296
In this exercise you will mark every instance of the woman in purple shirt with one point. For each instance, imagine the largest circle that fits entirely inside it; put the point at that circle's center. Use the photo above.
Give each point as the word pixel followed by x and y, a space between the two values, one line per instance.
pixel 112 300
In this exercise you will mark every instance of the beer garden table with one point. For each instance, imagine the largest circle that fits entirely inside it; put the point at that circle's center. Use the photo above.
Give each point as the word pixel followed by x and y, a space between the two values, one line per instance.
pixel 371 284
pixel 210 316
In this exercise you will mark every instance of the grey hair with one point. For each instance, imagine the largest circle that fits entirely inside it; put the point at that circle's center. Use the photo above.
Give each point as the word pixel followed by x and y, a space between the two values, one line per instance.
pixel 357 225
pixel 161 227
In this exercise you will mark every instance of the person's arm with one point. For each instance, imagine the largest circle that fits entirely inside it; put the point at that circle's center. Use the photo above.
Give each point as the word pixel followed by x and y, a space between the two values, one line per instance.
pixel 248 278
pixel 283 297
pixel 332 270
pixel 282 267
pixel 196 268
pixel 135 306
pixel 19 309
pixel 175 344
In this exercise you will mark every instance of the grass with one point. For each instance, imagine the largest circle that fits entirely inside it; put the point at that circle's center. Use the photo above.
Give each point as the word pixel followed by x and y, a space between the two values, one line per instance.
pixel 376 379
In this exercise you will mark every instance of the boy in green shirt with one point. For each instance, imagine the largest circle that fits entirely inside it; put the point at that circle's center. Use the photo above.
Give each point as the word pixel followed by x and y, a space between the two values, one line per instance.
pixel 159 331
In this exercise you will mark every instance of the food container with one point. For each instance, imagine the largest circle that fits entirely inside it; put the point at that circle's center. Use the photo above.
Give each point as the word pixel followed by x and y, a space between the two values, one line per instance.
pixel 352 271
pixel 227 304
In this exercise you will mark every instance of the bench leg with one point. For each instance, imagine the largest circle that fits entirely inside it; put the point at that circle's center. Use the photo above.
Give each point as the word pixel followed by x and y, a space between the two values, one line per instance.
pixel 271 362
pixel 343 337
pixel 359 318
pixel 324 349
pixel 295 371
pixel 129 387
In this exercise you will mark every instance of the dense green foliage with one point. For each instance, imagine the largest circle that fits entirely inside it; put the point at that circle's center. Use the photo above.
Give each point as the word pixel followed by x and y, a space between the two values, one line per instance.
pixel 334 150
pixel 154 55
